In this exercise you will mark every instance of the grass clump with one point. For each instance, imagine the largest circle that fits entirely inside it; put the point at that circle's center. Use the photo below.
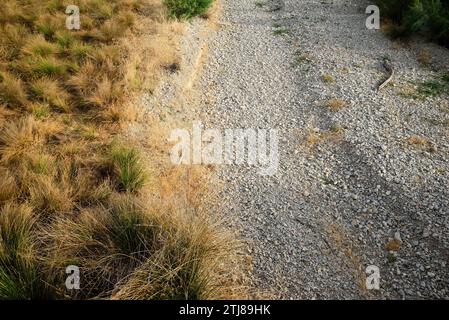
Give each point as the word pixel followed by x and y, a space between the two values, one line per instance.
pixel 327 78
pixel 186 9
pixel 128 168
pixel 16 139
pixel 40 110
pixel 12 91
pixel 424 58
pixel 436 87
pixel 20 276
pixel 38 46
pixel 49 91
pixel 280 30
pixel 429 88
pixel 41 67
pixel 422 143
pixel 336 104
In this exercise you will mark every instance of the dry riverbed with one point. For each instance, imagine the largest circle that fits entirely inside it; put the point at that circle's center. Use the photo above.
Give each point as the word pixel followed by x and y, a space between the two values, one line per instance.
pixel 363 175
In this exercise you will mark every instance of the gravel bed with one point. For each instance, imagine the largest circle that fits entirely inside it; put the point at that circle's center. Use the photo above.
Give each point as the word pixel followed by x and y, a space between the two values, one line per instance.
pixel 350 184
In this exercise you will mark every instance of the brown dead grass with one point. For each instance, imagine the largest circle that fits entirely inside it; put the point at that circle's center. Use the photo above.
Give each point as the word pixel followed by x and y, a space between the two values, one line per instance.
pixel 312 138
pixel 422 143
pixel 417 140
pixel 327 78
pixel 424 57
pixel 336 104
pixel 346 248
pixel 393 245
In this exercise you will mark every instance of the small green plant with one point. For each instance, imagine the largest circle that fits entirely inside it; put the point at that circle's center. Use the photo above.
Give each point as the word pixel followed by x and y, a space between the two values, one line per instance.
pixel 336 128
pixel 431 88
pixel 128 168
pixel 186 9
pixel 391 257
pixel 280 30
pixel 328 78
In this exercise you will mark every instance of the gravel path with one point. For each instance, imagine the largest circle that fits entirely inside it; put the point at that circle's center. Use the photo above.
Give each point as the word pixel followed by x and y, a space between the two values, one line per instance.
pixel 351 190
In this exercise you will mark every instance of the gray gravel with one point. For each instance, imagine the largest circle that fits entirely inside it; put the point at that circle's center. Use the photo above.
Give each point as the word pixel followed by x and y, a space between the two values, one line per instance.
pixel 333 206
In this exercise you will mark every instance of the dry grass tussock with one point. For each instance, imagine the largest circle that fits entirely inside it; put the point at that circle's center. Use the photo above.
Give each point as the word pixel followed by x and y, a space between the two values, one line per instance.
pixel 336 105
pixel 345 247
pixel 73 191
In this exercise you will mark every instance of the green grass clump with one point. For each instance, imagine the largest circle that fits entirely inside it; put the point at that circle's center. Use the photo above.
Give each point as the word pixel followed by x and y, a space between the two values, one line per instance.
pixel 186 9
pixel 131 229
pixel 40 67
pixel 430 88
pixel 12 90
pixel 40 110
pixel 64 39
pixel 280 30
pixel 38 46
pixel 328 78
pixel 128 168
pixel 19 271
pixel 435 87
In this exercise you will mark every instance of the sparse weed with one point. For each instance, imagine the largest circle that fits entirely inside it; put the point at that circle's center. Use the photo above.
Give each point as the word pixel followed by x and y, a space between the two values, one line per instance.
pixel 328 78
pixel 280 30
pixel 336 104
pixel 424 57
pixel 433 88
pixel 422 143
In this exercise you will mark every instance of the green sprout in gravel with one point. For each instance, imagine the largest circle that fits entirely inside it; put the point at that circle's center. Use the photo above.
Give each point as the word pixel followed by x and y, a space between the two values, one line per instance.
pixel 430 88
pixel 280 30
pixel 434 88
pixel 328 78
